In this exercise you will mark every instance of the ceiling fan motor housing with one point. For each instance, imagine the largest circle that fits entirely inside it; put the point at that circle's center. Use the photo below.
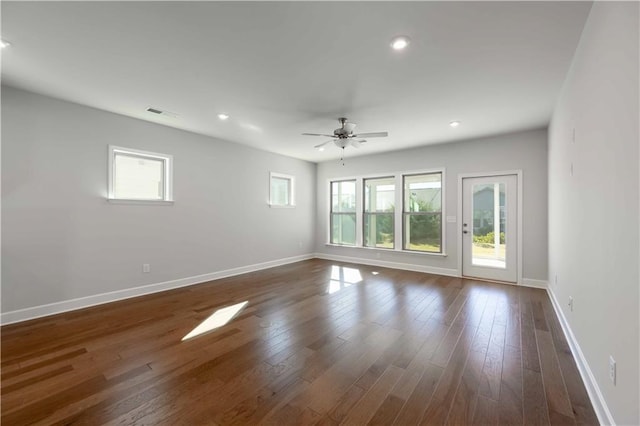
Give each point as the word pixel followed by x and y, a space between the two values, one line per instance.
pixel 342 132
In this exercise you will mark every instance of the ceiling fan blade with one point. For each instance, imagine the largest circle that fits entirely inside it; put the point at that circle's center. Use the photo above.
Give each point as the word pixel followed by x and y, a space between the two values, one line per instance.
pixel 318 134
pixel 372 135
pixel 349 127
pixel 322 144
pixel 354 143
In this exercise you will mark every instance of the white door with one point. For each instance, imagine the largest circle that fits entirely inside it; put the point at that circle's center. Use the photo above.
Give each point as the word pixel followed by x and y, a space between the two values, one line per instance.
pixel 489 227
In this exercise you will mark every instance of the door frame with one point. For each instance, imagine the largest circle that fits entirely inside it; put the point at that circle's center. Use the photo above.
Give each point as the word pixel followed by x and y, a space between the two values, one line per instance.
pixel 518 174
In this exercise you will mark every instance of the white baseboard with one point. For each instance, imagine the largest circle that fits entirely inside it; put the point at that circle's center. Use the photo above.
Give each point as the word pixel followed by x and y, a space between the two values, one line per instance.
pixel 98 299
pixel 529 282
pixel 595 395
pixel 392 265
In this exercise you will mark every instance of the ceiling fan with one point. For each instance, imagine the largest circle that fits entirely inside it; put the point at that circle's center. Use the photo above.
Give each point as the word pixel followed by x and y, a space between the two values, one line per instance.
pixel 344 136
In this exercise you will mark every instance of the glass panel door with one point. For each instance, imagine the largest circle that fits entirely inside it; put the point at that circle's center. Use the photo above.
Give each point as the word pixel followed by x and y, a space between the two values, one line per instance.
pixel 489 240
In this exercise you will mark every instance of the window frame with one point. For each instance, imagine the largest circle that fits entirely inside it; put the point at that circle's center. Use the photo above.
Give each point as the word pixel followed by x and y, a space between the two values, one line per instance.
pixel 291 190
pixel 354 212
pixel 370 214
pixel 167 175
pixel 398 217
pixel 406 213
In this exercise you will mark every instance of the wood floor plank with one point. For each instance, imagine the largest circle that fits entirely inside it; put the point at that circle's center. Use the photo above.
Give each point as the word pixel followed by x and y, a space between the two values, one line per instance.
pixel 555 390
pixel 345 403
pixel 492 369
pixel 466 396
pixel 387 411
pixel 486 412
pixel 443 397
pixel 510 407
pixel 367 406
pixel 512 337
pixel 530 360
pixel 398 347
pixel 413 410
pixel 448 345
pixel 534 400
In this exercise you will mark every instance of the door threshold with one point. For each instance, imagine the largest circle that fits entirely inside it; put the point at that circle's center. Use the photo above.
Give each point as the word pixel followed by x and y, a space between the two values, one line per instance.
pixel 489 280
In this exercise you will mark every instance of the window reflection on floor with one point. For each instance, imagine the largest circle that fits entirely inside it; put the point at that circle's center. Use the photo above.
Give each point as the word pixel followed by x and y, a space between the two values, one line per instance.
pixel 343 277
pixel 218 319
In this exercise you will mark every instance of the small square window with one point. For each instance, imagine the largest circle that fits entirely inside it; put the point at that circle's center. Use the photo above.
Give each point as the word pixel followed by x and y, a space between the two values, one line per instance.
pixel 139 175
pixel 281 190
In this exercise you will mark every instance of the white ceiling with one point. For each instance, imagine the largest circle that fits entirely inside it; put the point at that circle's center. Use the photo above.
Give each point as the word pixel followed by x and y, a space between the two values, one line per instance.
pixel 283 68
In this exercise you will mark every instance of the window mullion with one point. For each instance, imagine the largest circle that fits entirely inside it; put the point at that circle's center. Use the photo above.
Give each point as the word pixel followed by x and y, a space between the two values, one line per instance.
pixel 398 214
pixel 359 214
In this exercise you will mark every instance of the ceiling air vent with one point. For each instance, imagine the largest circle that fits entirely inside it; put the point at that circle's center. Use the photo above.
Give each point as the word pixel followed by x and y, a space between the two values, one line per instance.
pixel 162 112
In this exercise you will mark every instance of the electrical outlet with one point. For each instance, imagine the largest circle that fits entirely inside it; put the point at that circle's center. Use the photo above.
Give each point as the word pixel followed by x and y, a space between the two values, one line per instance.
pixel 612 369
pixel 571 303
pixel 146 268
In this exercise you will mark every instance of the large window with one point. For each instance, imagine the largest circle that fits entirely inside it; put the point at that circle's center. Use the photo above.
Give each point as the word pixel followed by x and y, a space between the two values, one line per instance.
pixel 343 212
pixel 400 212
pixel 281 193
pixel 139 175
pixel 379 201
pixel 423 212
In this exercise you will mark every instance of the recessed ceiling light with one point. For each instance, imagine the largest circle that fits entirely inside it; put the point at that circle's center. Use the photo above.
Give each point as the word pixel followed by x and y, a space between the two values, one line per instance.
pixel 4 43
pixel 454 124
pixel 223 116
pixel 400 42
pixel 321 148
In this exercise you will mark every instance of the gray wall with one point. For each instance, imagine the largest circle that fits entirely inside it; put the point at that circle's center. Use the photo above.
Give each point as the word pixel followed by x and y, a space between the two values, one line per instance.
pixel 593 215
pixel 526 151
pixel 61 239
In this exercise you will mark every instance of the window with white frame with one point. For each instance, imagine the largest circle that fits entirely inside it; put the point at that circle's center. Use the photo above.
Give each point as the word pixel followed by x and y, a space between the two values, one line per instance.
pixel 281 190
pixel 343 212
pixel 379 202
pixel 423 212
pixel 136 175
pixel 401 212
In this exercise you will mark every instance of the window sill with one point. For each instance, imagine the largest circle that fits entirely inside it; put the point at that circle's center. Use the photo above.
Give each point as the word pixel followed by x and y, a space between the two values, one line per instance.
pixel 278 206
pixel 385 250
pixel 141 202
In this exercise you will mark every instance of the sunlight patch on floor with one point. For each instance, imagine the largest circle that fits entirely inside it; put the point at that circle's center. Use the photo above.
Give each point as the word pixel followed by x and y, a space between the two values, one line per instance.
pixel 218 319
pixel 342 277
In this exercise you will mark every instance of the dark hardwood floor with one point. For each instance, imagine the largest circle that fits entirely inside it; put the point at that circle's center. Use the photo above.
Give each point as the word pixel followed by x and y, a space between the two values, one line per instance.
pixel 319 342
